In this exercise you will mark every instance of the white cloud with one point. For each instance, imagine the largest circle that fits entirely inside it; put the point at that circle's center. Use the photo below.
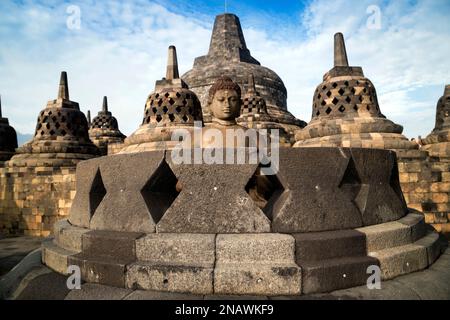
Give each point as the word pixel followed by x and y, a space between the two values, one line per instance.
pixel 121 50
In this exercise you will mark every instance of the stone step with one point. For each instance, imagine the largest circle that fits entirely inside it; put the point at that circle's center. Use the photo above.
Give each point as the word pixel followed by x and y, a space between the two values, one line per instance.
pixel 328 245
pixel 101 269
pixel 393 234
pixel 56 257
pixel 117 245
pixel 181 278
pixel 68 236
pixel 435 244
pixel 255 248
pixel 401 260
pixel 333 274
pixel 267 279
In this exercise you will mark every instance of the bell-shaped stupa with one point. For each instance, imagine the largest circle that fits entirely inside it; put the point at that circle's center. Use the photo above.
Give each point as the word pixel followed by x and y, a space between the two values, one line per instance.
pixel 254 114
pixel 437 143
pixel 170 107
pixel 228 55
pixel 8 138
pixel 346 111
pixel 61 136
pixel 104 129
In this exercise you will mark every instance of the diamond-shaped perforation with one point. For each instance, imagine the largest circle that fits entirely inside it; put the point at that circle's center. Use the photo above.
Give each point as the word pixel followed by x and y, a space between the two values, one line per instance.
pixel 265 191
pixel 351 181
pixel 97 193
pixel 160 191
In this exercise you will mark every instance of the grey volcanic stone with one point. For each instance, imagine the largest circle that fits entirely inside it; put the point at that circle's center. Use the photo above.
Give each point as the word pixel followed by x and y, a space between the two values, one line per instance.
pixel 177 248
pixel 68 236
pixel 213 200
pixel 303 206
pixel 183 278
pixel 334 274
pixel 124 177
pixel 120 245
pixel 256 264
pixel 328 245
pixel 160 295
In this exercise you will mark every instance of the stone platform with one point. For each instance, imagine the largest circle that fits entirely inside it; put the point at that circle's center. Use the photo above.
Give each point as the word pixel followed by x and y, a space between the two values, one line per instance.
pixel 142 222
pixel 430 284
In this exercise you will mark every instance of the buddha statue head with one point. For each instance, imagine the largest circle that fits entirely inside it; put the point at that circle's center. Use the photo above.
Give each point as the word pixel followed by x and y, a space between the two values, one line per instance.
pixel 225 100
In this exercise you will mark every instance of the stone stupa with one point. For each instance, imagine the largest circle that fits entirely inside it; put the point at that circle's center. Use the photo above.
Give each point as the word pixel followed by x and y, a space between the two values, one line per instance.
pixel 8 138
pixel 40 179
pixel 346 111
pixel 228 55
pixel 437 143
pixel 104 129
pixel 170 107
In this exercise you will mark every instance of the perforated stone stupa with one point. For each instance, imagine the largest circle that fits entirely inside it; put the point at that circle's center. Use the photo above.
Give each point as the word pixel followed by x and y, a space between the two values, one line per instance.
pixel 39 181
pixel 104 129
pixel 346 111
pixel 8 138
pixel 170 107
pixel 229 56
pixel 254 114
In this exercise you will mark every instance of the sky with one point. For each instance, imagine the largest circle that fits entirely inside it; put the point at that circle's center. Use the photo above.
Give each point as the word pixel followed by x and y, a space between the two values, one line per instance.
pixel 119 49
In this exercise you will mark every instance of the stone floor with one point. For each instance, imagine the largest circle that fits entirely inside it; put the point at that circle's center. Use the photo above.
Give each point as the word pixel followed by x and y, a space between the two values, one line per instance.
pixel 14 249
pixel 432 283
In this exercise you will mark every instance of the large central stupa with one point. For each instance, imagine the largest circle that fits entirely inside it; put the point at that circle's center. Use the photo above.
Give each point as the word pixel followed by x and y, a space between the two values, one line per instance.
pixel 228 55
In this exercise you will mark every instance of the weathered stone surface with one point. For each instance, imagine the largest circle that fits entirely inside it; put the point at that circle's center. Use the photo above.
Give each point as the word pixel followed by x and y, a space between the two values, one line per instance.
pixel 68 236
pixel 433 245
pixel 231 211
pixel 120 245
pixel 124 206
pixel 386 235
pixel 416 222
pixel 256 264
pixel 329 244
pixel 89 193
pixel 177 248
pixel 190 278
pixel 333 274
pixel 91 291
pixel 401 260
pixel 331 181
pixel 102 270
pixel 56 257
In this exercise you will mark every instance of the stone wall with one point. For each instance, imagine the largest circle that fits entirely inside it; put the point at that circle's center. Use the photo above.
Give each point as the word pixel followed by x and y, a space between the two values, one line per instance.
pixel 34 198
pixel 425 182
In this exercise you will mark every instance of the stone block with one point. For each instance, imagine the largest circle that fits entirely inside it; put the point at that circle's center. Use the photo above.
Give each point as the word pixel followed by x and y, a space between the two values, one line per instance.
pixel 194 279
pixel 329 244
pixel 126 206
pixel 433 245
pixel 161 295
pixel 56 257
pixel 68 236
pixel 213 200
pixel 401 260
pixel 177 248
pixel 267 279
pixel 386 235
pixel 120 245
pixel 101 270
pixel 256 264
pixel 334 274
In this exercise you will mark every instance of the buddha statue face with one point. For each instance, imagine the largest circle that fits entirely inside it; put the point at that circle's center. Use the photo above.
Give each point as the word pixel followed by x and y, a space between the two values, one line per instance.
pixel 226 105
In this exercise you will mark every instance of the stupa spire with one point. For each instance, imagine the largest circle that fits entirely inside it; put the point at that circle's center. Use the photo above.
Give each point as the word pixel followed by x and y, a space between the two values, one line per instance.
pixel 0 106
pixel 89 117
pixel 105 104
pixel 251 85
pixel 340 54
pixel 172 64
pixel 63 92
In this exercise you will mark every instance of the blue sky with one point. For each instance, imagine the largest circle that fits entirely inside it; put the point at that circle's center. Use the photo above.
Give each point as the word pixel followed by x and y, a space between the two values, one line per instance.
pixel 120 51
